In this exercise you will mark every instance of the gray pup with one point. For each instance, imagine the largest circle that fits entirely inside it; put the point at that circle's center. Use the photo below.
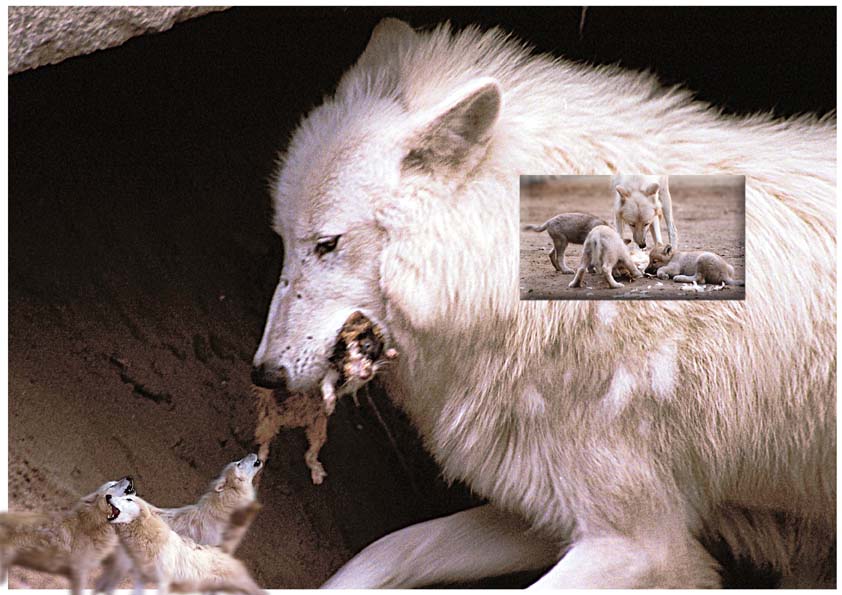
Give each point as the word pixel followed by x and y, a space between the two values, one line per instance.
pixel 606 252
pixel 567 228
pixel 687 267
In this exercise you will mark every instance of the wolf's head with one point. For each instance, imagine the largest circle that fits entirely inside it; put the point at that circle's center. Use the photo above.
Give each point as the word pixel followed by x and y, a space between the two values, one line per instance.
pixel 365 173
pixel 96 501
pixel 236 479
pixel 639 205
pixel 125 509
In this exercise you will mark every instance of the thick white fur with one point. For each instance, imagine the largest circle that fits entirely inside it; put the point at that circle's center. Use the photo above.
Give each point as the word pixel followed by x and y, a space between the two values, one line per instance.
pixel 629 446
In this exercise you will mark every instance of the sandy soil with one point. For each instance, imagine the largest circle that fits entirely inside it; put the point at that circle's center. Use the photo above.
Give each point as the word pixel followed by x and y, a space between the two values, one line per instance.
pixel 709 215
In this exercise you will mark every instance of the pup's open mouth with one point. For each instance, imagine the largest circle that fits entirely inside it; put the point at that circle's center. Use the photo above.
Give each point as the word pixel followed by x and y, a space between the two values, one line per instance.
pixel 115 512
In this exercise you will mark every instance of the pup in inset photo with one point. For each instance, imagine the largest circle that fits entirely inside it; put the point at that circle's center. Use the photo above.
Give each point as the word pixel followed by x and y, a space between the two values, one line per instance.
pixel 567 228
pixel 688 267
pixel 206 522
pixel 605 252
pixel 641 202
pixel 70 544
pixel 173 562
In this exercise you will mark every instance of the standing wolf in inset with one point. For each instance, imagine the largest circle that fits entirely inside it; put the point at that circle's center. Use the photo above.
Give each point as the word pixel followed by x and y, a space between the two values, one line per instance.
pixel 641 202
pixel 624 451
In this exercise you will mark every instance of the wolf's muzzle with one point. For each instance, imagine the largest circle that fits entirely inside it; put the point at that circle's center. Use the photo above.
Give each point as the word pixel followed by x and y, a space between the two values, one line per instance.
pixel 266 377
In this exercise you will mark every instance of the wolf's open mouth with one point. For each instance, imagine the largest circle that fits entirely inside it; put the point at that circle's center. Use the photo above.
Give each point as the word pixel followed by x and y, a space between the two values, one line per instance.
pixel 115 512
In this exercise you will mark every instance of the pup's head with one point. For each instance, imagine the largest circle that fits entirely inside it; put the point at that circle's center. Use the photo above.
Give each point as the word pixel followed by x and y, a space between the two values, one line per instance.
pixel 125 509
pixel 97 500
pixel 237 477
pixel 638 208
pixel 363 176
pixel 659 256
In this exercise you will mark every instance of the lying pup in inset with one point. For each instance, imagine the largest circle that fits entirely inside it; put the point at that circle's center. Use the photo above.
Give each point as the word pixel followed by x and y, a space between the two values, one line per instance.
pixel 359 354
pixel 687 267
pixel 606 253
pixel 205 522
pixel 567 228
pixel 174 563
pixel 70 544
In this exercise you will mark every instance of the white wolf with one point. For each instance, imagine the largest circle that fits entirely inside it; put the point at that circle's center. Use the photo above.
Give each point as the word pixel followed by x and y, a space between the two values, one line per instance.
pixel 622 451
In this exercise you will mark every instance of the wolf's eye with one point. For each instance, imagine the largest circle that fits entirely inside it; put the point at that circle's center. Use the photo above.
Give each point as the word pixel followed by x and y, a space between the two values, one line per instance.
pixel 326 245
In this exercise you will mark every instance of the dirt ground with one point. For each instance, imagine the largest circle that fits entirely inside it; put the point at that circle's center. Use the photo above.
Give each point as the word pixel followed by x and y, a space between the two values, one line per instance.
pixel 709 213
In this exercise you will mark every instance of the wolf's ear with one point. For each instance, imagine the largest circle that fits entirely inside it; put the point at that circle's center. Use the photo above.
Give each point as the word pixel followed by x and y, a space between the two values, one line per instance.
pixel 623 192
pixel 90 499
pixel 378 57
pixel 388 34
pixel 651 189
pixel 459 129
pixel 219 485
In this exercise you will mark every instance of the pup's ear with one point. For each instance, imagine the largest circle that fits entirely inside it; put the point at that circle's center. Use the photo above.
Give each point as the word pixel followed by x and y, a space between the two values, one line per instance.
pixel 623 192
pixel 458 129
pixel 667 250
pixel 651 189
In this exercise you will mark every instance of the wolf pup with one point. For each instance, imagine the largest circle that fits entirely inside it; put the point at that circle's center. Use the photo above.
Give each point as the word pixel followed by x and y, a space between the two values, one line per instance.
pixel 207 522
pixel 174 562
pixel 606 252
pixel 567 228
pixel 687 267
pixel 69 544
pixel 359 353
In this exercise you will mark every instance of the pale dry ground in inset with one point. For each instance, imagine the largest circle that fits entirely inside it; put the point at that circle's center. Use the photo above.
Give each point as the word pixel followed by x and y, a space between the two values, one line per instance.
pixel 709 214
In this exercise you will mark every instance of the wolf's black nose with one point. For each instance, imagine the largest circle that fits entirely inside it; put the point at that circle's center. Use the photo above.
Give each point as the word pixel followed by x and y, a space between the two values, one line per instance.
pixel 269 377
pixel 643 245
pixel 108 497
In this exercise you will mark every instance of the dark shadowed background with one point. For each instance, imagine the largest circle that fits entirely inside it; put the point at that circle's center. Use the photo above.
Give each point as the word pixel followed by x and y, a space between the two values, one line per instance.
pixel 142 264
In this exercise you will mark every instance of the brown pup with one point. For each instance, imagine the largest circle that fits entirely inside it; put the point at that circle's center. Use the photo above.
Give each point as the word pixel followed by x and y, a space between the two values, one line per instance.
pixel 567 228
pixel 359 354
pixel 173 562
pixel 688 267
pixel 70 544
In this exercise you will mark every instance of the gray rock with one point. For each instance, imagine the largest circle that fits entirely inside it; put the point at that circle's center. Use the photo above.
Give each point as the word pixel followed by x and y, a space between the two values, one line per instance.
pixel 40 35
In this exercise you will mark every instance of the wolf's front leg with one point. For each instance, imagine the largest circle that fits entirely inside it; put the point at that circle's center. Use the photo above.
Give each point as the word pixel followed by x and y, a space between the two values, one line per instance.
pixel 666 209
pixel 469 545
pixel 656 561
pixel 655 230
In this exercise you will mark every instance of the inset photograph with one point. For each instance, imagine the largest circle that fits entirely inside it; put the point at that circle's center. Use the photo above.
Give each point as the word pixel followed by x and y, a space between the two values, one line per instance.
pixel 632 236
